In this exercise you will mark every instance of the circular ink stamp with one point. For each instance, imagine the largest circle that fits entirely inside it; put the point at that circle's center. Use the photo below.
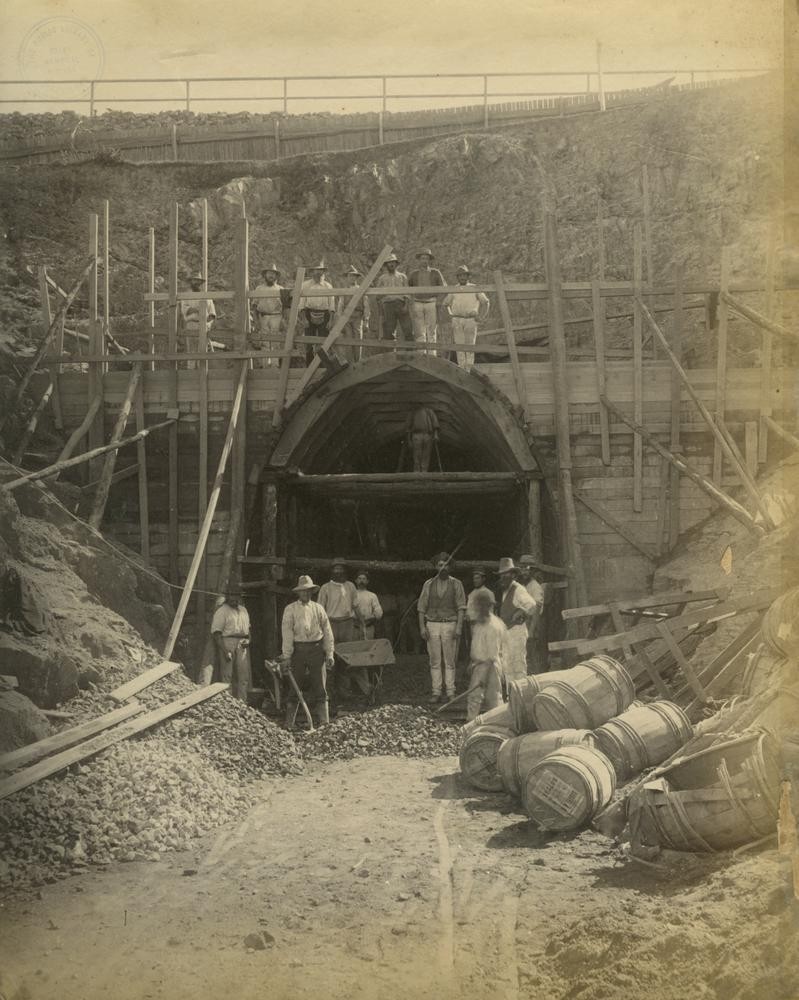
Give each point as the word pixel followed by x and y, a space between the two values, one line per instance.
pixel 61 48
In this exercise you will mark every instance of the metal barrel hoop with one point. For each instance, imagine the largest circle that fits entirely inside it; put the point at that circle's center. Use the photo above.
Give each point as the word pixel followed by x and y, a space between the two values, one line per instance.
pixel 724 777
pixel 615 687
pixel 682 818
pixel 637 741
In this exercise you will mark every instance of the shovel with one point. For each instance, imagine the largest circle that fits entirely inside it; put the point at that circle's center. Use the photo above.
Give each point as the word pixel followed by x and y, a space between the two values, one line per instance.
pixel 301 700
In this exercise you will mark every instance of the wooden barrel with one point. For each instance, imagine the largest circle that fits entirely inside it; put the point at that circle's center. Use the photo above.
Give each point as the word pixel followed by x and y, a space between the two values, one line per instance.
pixel 516 756
pixel 568 787
pixel 499 716
pixel 478 757
pixel 597 690
pixel 763 666
pixel 521 694
pixel 643 736
pixel 781 624
pixel 717 799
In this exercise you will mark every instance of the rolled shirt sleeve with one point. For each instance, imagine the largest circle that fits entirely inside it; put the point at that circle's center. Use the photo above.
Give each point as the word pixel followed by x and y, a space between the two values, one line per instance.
pixel 327 632
pixel 287 629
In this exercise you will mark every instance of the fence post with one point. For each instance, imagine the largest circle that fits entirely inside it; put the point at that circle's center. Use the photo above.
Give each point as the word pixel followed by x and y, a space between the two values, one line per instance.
pixel 277 139
pixel 599 76
pixel 175 143
pixel 485 102
pixel 380 137
pixel 91 99
pixel 384 95
pixel 588 83
pixel 285 95
pixel 188 95
pixel 692 78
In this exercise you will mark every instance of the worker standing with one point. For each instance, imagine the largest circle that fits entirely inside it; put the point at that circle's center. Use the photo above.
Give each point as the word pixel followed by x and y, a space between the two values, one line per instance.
pixel 189 318
pixel 466 308
pixel 394 310
pixel 536 649
pixel 422 437
pixel 515 609
pixel 337 597
pixel 478 587
pixel 265 333
pixel 307 650
pixel 230 631
pixel 368 611
pixel 424 308
pixel 486 653
pixel 359 318
pixel 317 306
pixel 441 607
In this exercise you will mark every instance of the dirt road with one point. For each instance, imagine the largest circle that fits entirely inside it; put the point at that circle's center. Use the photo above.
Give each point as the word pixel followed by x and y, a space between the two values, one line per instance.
pixel 387 878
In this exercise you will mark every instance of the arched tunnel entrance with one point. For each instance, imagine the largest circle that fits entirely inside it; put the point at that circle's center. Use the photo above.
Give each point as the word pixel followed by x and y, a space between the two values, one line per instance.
pixel 339 477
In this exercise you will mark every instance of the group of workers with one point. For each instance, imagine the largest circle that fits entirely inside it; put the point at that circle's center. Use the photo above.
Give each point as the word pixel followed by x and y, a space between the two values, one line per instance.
pixel 502 634
pixel 403 315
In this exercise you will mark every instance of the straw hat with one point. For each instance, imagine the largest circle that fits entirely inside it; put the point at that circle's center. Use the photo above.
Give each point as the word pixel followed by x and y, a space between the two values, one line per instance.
pixel 507 565
pixel 305 583
pixel 425 252
pixel 391 259
pixel 270 267
pixel 527 561
pixel 462 269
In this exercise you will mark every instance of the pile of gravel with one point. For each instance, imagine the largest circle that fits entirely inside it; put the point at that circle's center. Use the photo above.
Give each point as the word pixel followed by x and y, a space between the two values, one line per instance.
pixel 403 730
pixel 135 802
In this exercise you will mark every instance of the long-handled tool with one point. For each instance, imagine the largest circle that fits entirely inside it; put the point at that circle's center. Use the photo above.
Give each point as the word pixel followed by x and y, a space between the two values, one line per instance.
pixel 458 697
pixel 296 686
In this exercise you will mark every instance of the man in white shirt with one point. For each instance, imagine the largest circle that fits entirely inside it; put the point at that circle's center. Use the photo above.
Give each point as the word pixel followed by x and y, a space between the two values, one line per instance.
pixel 441 607
pixel 465 308
pixel 230 631
pixel 536 648
pixel 486 656
pixel 317 305
pixel 478 585
pixel 190 319
pixel 337 597
pixel 424 308
pixel 368 611
pixel 264 335
pixel 308 648
pixel 515 609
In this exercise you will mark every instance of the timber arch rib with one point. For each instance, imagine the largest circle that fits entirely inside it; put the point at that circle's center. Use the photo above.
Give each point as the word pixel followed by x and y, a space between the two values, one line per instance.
pixel 345 421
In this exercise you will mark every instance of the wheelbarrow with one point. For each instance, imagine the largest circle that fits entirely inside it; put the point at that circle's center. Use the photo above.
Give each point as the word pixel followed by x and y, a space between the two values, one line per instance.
pixel 373 654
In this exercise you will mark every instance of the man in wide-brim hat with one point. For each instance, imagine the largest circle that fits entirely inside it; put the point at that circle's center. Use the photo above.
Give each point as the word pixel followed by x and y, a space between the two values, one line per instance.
pixel 265 334
pixel 358 322
pixel 536 646
pixel 394 311
pixel 317 305
pixel 465 308
pixel 189 320
pixel 424 308
pixel 230 631
pixel 308 648
pixel 516 607
pixel 441 607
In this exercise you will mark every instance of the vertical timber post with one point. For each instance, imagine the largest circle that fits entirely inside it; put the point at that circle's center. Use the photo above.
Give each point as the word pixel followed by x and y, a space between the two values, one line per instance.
pixel 106 277
pixel 676 409
pixel 172 395
pixel 721 363
pixel 638 380
pixel 485 102
pixel 767 340
pixel 95 379
pixel 600 81
pixel 151 288
pixel 598 309
pixel 55 370
pixel 269 548
pixel 202 402
pixel 557 349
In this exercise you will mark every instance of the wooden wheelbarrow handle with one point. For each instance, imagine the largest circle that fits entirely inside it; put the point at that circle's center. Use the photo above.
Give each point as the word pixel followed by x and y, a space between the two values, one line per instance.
pixel 296 686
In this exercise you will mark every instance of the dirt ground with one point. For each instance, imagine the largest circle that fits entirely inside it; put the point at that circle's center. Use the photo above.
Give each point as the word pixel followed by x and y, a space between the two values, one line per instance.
pixel 388 878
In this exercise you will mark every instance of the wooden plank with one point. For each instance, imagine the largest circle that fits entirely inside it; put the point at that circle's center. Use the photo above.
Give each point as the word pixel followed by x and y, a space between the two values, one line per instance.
pixel 143 488
pixel 342 320
pixel 80 430
pixel 30 426
pixel 94 382
pixel 618 526
pixel 213 499
pixel 151 286
pixel 59 762
pixel 67 737
pixel 642 632
pixel 557 344
pixel 598 307
pixel 638 380
pixel 104 484
pixel 728 450
pixel 106 274
pixel 666 599
pixel 739 512
pixel 70 463
pixel 172 395
pixel 144 680
pixel 269 545
pixel 55 370
pixel 758 318
pixel 673 646
pixel 767 345
pixel 639 652
pixel 650 266
pixel 285 364
pixel 663 508
pixel 751 447
pixel 202 403
pixel 721 363
pixel 383 565
pixel 510 337
pixel 675 445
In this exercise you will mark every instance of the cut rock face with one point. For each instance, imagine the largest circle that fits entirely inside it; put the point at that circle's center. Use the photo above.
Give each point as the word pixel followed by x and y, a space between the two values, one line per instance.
pixel 45 675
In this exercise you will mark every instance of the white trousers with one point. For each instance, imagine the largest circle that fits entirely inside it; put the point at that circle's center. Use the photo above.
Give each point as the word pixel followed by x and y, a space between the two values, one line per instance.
pixel 464 331
pixel 268 329
pixel 514 659
pixel 441 645
pixel 424 316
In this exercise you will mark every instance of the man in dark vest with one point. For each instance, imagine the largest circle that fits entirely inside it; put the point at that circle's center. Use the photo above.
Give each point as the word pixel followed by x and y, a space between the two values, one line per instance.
pixel 516 608
pixel 441 607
